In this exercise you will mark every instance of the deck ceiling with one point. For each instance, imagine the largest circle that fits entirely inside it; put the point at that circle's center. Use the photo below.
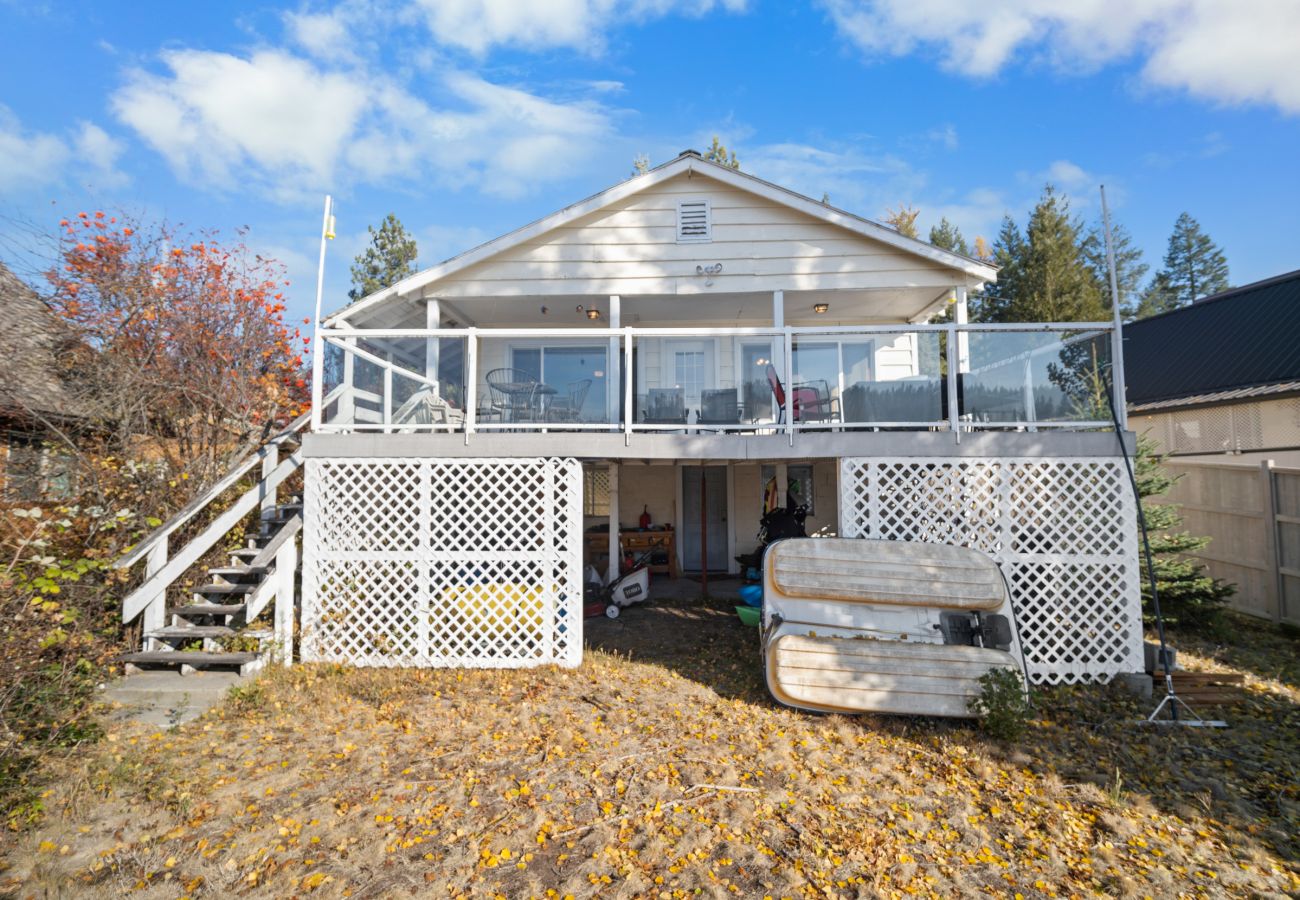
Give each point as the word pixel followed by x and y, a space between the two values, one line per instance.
pixel 753 309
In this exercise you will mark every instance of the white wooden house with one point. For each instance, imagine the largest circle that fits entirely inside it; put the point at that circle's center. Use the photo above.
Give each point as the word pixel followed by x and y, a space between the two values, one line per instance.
pixel 677 345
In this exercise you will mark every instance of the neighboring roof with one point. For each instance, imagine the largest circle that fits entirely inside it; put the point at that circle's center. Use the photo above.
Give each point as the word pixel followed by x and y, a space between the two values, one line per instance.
pixel 1246 393
pixel 688 161
pixel 29 344
pixel 1244 339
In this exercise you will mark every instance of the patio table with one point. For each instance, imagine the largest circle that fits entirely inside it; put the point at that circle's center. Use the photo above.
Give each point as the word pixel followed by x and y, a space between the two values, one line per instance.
pixel 527 396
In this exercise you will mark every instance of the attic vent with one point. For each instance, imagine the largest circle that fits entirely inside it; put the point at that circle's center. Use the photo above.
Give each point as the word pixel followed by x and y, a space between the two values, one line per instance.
pixel 694 222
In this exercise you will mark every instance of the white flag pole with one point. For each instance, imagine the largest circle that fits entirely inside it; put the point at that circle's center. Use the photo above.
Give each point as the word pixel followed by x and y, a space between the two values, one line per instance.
pixel 1117 336
pixel 318 352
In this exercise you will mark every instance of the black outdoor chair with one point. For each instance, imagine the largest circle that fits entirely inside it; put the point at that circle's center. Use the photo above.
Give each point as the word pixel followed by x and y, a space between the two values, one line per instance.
pixel 719 407
pixel 665 406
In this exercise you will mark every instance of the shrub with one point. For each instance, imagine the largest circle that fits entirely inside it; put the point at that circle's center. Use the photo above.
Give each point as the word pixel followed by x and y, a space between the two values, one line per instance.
pixel 1002 704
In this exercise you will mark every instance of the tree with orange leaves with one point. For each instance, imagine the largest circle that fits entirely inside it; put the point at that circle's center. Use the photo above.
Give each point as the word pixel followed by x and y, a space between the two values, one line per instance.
pixel 182 348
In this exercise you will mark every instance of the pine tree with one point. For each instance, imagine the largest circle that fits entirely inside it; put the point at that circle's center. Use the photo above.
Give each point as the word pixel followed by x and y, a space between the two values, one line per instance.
pixel 389 258
pixel 1008 254
pixel 718 154
pixel 947 236
pixel 1188 596
pixel 1129 267
pixel 1194 267
pixel 903 220
pixel 1044 276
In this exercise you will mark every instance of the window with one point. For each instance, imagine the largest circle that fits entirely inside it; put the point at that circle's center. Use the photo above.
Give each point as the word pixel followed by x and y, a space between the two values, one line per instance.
pixel 694 221
pixel 565 367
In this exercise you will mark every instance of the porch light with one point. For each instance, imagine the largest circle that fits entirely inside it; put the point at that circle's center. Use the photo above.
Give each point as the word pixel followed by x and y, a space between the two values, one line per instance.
pixel 820 308
pixel 593 314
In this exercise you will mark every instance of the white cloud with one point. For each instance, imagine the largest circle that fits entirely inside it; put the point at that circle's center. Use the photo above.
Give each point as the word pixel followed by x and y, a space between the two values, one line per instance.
pixel 477 25
pixel 35 159
pixel 1229 51
pixel 858 182
pixel 291 126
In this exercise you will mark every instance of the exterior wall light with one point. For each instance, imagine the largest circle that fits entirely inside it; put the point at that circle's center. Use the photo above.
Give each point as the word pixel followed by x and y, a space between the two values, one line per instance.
pixel 593 314
pixel 820 308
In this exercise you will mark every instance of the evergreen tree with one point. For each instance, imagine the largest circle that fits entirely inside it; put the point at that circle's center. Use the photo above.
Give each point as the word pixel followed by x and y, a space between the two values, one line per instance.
pixel 903 220
pixel 947 236
pixel 640 164
pixel 1129 267
pixel 1008 254
pixel 1188 596
pixel 1194 267
pixel 1044 277
pixel 718 154
pixel 389 258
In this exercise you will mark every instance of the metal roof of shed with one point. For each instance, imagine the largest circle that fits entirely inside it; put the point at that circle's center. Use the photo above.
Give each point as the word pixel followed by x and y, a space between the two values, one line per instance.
pixel 1247 337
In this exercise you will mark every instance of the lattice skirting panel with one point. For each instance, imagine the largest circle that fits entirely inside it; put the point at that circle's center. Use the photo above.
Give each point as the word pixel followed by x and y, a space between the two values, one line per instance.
pixel 1063 530
pixel 442 562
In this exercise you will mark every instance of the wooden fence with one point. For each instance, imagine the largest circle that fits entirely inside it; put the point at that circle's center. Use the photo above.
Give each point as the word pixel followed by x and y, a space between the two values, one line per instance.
pixel 1252 515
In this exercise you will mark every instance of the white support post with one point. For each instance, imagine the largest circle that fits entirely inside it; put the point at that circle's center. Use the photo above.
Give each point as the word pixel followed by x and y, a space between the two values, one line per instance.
pixel 613 363
pixel 1274 583
pixel 388 396
pixel 961 315
pixel 317 350
pixel 615 552
pixel 954 414
pixel 471 383
pixel 348 398
pixel 778 346
pixel 628 412
pixel 1031 410
pixel 432 350
pixel 269 462
pixel 788 352
pixel 155 613
pixel 286 566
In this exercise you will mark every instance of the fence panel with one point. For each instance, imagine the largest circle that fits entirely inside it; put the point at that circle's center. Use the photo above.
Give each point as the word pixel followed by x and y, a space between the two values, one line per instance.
pixel 443 562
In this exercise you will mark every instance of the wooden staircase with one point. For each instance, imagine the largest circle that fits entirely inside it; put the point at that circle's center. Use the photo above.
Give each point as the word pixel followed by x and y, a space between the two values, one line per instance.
pixel 225 611
pixel 221 625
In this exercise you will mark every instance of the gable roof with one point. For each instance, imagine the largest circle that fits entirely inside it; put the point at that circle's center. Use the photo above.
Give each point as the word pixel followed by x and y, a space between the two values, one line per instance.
pixel 29 344
pixel 1238 343
pixel 689 161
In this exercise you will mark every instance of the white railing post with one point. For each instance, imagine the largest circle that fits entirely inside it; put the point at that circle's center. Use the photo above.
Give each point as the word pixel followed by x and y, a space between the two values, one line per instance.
pixel 388 397
pixel 286 567
pixel 1117 394
pixel 629 413
pixel 789 383
pixel 155 613
pixel 270 459
pixel 952 353
pixel 347 400
pixel 471 383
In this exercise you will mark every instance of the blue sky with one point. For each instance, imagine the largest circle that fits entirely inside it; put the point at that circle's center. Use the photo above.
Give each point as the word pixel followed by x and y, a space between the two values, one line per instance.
pixel 468 118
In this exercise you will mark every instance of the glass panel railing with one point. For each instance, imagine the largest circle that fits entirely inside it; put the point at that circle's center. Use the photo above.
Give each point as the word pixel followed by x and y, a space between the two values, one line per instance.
pixel 856 379
pixel 1036 377
pixel 712 382
pixel 394 384
pixel 535 382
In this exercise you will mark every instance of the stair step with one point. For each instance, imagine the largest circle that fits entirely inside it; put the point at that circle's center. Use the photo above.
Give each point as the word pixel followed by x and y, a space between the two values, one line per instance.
pixel 191 632
pixel 239 573
pixel 208 609
pixel 194 658
pixel 224 590
pixel 245 553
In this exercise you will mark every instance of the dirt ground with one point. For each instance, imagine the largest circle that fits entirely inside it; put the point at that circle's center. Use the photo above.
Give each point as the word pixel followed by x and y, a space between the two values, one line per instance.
pixel 661 768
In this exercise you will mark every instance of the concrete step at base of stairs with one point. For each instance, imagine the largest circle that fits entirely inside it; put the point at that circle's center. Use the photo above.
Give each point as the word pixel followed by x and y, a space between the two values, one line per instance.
pixel 166 699
pixel 187 661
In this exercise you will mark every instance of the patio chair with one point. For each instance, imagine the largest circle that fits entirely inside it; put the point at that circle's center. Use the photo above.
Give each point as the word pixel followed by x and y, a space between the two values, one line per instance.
pixel 665 406
pixel 514 394
pixel 719 407
pixel 568 406
pixel 426 407
pixel 810 401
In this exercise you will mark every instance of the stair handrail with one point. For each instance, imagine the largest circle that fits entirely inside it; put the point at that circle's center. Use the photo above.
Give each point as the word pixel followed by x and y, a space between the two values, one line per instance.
pixel 200 503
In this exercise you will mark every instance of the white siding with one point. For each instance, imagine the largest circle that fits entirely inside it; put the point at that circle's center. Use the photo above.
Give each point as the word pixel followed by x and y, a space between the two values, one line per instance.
pixel 631 248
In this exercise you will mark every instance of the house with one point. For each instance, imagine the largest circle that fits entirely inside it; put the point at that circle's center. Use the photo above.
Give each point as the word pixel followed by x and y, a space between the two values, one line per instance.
pixel 1221 375
pixel 1216 385
pixel 33 397
pixel 691 346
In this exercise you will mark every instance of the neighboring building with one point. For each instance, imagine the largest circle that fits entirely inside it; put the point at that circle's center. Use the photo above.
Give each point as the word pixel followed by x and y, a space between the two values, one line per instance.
pixel 686 344
pixel 32 395
pixel 1221 375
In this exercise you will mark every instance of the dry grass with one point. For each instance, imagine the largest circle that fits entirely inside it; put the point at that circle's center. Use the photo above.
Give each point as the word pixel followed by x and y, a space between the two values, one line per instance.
pixel 666 775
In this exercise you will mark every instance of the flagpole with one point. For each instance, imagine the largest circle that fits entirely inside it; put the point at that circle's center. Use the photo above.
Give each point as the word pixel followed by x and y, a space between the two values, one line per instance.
pixel 1117 337
pixel 318 352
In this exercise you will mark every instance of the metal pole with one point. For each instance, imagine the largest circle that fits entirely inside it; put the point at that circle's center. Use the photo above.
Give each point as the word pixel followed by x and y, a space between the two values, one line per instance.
pixel 704 534
pixel 1117 336
pixel 318 352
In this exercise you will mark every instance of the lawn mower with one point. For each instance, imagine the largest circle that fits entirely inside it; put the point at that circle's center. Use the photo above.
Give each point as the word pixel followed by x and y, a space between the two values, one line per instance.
pixel 632 587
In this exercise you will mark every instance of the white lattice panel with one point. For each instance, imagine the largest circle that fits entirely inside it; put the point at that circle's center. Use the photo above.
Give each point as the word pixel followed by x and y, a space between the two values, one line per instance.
pixel 1063 530
pixel 443 562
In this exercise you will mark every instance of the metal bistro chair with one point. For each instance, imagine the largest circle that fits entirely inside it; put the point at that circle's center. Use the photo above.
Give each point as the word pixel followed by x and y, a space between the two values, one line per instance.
pixel 665 406
pixel 810 401
pixel 514 394
pixel 568 406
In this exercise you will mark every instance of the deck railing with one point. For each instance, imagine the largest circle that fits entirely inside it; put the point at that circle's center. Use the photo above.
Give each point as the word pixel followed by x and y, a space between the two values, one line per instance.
pixel 952 377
